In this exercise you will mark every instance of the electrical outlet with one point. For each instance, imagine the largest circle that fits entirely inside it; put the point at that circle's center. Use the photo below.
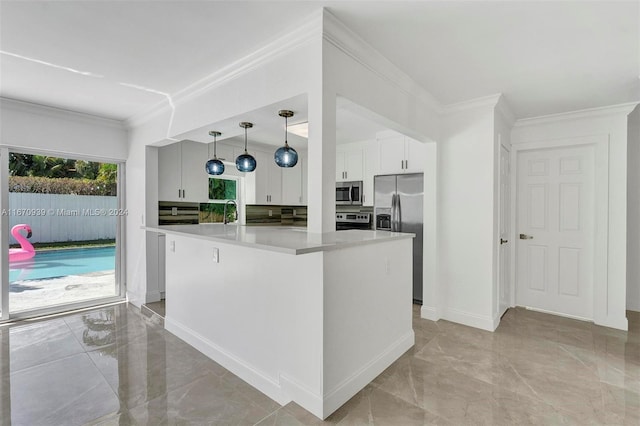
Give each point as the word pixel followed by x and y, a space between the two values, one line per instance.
pixel 294 212
pixel 174 211
pixel 270 213
pixel 216 255
pixel 387 266
pixel 172 246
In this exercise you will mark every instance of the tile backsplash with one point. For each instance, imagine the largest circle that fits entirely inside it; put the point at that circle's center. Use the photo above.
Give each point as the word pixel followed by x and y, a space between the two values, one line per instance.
pixel 276 215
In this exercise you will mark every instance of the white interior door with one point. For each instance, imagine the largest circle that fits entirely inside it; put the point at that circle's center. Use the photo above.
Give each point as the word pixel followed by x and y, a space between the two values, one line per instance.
pixel 555 220
pixel 504 283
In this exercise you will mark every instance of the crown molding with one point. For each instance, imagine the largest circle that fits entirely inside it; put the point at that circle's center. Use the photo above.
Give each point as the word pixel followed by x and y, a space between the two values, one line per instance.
pixel 619 109
pixel 308 30
pixel 343 38
pixel 486 101
pixel 59 113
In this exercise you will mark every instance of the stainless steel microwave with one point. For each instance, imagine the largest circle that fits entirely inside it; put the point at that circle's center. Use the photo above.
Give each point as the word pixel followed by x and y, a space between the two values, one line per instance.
pixel 349 193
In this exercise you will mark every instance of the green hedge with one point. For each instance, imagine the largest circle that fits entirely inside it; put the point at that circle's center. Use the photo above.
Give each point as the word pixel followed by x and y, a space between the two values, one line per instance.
pixel 43 185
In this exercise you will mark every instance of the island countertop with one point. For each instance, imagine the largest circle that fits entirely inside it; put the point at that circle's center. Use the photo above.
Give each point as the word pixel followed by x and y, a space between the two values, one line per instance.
pixel 283 239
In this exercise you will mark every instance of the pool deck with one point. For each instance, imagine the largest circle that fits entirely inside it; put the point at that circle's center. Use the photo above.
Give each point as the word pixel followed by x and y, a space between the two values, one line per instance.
pixel 34 294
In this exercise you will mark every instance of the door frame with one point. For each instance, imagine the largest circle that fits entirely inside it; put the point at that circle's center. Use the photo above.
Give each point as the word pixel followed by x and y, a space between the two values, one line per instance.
pixel 601 212
pixel 510 260
pixel 120 272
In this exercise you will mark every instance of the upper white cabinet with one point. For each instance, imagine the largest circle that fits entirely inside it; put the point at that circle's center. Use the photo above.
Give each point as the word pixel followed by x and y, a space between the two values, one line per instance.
pixel 401 154
pixel 293 183
pixel 181 173
pixel 371 168
pixel 270 184
pixel 349 163
pixel 267 178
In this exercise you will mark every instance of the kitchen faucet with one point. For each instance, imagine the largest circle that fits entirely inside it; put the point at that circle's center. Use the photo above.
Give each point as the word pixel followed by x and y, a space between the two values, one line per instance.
pixel 224 214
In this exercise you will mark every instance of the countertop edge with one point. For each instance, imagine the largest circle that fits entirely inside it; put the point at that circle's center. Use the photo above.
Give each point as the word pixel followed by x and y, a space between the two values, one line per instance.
pixel 280 249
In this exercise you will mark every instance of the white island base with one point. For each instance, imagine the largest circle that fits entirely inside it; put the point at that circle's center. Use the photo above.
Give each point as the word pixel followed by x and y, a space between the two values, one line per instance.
pixel 314 328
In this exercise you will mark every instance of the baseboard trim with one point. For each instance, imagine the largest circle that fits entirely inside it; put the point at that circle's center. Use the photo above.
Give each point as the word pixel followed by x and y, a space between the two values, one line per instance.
pixel 619 323
pixel 336 397
pixel 427 312
pixel 246 372
pixel 472 320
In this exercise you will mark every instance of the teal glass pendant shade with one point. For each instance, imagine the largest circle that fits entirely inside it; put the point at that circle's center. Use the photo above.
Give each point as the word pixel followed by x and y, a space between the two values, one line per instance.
pixel 246 162
pixel 285 156
pixel 214 166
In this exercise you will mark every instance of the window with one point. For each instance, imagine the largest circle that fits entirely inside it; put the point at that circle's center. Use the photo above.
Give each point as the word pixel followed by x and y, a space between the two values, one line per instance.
pixel 220 191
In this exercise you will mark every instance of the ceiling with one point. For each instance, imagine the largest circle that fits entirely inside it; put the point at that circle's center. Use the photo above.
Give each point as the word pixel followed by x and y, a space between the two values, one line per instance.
pixel 118 59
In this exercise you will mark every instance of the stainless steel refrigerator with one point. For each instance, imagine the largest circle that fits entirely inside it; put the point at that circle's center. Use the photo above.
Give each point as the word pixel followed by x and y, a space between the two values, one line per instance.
pixel 398 207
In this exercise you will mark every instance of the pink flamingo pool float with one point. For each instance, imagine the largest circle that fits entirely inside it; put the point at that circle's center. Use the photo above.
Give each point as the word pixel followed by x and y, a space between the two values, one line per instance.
pixel 26 250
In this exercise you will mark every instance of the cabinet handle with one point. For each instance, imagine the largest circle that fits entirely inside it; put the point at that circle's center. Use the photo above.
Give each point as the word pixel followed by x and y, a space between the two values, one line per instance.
pixel 179 192
pixel 183 194
pixel 406 164
pixel 402 164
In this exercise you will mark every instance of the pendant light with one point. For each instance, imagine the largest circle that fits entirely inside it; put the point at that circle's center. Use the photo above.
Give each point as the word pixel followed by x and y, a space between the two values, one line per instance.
pixel 214 166
pixel 245 162
pixel 285 156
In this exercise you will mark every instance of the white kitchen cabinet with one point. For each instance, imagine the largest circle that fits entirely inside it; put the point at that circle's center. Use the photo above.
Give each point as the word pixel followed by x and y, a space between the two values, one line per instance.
pixel 270 184
pixel 223 152
pixel 181 172
pixel 371 168
pixel 292 183
pixel 401 154
pixel 267 180
pixel 349 164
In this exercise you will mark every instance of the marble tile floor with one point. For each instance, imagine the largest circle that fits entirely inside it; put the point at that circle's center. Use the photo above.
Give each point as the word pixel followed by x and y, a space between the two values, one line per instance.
pixel 115 366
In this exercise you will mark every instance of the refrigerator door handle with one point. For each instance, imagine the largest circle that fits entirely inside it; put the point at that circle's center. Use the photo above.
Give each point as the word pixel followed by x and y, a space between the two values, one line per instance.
pixel 398 214
pixel 393 212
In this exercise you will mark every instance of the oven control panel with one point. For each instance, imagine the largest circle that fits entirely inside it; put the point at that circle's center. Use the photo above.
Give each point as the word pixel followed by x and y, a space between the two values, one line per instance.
pixel 353 217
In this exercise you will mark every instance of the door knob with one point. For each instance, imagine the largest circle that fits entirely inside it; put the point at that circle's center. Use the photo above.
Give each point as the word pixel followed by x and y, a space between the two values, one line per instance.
pixel 526 237
pixel 503 241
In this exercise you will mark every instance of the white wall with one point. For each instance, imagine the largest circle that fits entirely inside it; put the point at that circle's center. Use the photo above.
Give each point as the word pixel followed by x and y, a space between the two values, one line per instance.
pixel 633 210
pixel 609 123
pixel 50 130
pixel 266 81
pixel 466 213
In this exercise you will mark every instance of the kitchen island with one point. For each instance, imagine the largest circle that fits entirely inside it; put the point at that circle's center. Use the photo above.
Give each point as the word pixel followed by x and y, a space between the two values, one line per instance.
pixel 303 317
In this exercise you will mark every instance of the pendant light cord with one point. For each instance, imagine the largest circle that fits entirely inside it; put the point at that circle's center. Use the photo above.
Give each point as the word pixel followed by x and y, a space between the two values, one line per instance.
pixel 286 127
pixel 245 140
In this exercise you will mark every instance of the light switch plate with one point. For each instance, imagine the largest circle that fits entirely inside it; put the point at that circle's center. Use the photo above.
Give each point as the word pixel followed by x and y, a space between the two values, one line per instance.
pixel 172 246
pixel 270 213
pixel 174 211
pixel 216 255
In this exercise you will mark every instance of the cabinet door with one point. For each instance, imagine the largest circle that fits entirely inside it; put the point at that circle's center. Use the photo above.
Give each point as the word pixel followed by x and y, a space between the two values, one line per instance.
pixel 169 173
pixel 354 166
pixel 371 165
pixel 275 180
pixel 260 177
pixel 195 180
pixel 292 184
pixel 224 153
pixel 415 155
pixel 391 155
pixel 340 166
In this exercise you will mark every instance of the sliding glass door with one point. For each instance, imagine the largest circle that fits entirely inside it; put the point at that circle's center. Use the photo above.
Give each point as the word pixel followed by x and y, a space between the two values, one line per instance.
pixel 61 233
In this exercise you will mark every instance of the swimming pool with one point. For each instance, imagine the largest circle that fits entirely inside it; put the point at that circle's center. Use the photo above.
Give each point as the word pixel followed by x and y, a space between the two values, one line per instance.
pixel 60 263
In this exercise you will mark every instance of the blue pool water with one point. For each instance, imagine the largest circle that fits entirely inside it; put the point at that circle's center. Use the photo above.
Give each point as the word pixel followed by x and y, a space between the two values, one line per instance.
pixel 60 263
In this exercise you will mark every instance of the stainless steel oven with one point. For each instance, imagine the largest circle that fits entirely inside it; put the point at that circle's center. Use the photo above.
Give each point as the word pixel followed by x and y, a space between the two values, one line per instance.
pixel 349 193
pixel 346 221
